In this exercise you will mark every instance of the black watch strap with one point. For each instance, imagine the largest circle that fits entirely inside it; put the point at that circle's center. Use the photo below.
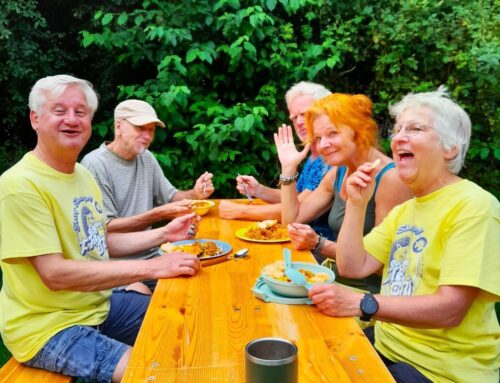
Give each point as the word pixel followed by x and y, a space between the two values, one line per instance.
pixel 368 306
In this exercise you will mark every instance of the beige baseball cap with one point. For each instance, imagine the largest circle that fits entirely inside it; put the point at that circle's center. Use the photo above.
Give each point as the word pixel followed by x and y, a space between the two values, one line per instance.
pixel 137 112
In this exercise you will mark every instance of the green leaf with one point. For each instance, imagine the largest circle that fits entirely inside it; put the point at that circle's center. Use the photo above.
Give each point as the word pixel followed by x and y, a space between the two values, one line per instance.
pixel 122 20
pixel 483 153
pixel 191 55
pixel 271 4
pixel 88 39
pixel 107 18
pixel 496 153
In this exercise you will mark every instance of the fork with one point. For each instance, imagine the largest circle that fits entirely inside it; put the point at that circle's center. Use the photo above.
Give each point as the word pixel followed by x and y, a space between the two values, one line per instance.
pixel 245 188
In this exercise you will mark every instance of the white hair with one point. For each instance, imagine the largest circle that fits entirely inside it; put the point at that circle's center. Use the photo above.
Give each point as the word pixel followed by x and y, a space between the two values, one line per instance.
pixel 451 122
pixel 316 91
pixel 53 86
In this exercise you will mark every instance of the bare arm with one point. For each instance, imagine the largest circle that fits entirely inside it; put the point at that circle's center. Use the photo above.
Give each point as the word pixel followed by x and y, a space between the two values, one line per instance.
pixel 124 244
pixel 317 202
pixel 445 308
pixel 59 273
pixel 233 210
pixel 352 259
pixel 248 185
pixel 144 220
pixel 391 192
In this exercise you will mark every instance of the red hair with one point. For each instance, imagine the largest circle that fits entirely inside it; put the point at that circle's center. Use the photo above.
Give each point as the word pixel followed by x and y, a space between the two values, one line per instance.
pixel 354 111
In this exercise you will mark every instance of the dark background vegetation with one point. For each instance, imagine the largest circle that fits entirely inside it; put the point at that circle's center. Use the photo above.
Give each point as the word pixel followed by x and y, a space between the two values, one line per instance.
pixel 217 71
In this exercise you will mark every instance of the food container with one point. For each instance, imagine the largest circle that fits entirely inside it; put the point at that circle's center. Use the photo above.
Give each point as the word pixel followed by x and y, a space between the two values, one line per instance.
pixel 289 289
pixel 202 206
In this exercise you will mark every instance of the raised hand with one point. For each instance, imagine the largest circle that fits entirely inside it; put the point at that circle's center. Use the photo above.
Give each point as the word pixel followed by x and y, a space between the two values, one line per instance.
pixel 289 156
pixel 204 187
pixel 360 185
pixel 247 185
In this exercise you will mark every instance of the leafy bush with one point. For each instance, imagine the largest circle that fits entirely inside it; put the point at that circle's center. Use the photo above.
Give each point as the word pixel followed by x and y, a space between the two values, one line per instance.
pixel 220 71
pixel 217 71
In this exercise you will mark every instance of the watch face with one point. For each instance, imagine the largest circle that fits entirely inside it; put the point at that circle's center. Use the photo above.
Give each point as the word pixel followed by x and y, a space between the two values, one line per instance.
pixel 369 305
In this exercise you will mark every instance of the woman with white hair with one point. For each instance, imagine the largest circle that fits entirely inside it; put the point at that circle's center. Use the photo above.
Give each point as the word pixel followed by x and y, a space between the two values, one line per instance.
pixel 439 252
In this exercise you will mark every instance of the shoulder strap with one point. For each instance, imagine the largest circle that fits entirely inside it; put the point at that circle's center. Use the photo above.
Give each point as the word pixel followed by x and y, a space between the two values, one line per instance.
pixel 339 176
pixel 381 173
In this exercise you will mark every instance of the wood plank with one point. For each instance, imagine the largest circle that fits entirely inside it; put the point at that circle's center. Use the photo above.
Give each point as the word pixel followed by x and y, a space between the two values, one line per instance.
pixel 15 372
pixel 196 328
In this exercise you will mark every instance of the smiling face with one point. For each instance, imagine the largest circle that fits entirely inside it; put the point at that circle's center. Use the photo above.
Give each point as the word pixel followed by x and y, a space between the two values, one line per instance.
pixel 336 145
pixel 420 159
pixel 63 126
pixel 297 109
pixel 132 140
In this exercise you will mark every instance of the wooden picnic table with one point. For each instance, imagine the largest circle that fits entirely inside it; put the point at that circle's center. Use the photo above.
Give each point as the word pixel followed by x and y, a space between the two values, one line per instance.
pixel 196 328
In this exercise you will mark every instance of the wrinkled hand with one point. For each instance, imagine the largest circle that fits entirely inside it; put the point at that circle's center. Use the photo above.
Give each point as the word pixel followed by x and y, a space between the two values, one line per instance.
pixel 204 187
pixel 303 237
pixel 175 264
pixel 335 300
pixel 176 209
pixel 251 184
pixel 185 227
pixel 289 156
pixel 361 184
pixel 229 210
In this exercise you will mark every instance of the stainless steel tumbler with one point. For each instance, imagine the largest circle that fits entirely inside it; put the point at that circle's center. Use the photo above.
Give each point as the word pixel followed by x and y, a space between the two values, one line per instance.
pixel 271 360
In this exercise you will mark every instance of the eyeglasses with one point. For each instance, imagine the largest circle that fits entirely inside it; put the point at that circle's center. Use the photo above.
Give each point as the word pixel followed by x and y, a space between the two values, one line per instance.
pixel 410 129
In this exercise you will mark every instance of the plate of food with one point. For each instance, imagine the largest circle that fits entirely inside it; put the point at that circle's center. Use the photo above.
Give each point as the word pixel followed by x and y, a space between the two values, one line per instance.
pixel 202 248
pixel 268 231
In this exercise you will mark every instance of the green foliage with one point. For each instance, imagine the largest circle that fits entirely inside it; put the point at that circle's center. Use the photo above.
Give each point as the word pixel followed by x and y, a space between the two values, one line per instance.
pixel 222 70
pixel 217 71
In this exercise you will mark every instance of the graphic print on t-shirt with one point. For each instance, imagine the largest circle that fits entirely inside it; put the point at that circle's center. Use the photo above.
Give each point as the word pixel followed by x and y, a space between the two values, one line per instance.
pixel 89 225
pixel 405 262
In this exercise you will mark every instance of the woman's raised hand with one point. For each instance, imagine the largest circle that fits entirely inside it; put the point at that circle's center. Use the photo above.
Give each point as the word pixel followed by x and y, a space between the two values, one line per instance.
pixel 289 156
pixel 360 185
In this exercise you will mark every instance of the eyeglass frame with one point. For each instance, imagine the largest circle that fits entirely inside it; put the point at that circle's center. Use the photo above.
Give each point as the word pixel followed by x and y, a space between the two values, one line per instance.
pixel 416 128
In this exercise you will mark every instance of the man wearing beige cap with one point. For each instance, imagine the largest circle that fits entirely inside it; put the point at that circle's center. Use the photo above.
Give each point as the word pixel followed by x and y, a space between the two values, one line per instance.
pixel 135 191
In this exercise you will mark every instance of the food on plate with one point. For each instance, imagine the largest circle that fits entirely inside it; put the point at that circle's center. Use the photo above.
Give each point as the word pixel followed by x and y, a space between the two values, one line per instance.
pixel 201 250
pixel 276 270
pixel 267 230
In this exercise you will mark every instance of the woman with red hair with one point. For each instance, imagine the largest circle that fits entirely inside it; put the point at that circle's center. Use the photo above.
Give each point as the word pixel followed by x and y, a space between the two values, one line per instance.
pixel 345 134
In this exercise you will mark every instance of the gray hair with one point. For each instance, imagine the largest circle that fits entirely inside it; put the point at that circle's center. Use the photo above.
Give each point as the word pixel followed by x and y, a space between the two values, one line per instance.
pixel 451 122
pixel 52 86
pixel 316 91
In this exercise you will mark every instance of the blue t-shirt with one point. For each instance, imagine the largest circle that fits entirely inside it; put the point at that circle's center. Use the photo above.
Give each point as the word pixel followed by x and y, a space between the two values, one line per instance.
pixel 310 177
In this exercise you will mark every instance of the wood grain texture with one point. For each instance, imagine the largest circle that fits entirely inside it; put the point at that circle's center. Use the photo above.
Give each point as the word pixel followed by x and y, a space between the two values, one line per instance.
pixel 196 328
pixel 15 372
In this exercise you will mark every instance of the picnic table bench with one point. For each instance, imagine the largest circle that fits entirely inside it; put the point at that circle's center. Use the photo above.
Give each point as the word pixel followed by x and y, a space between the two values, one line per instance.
pixel 15 372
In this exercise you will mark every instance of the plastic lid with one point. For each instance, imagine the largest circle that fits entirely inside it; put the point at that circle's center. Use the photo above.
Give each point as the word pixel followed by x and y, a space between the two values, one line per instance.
pixel 263 292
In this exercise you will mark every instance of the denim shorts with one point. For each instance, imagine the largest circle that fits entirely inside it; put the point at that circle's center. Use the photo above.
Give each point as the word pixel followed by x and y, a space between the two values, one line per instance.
pixel 92 353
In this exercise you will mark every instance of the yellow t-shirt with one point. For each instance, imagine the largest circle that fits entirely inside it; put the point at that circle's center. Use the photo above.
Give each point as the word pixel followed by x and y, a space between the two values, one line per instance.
pixel 43 211
pixel 449 237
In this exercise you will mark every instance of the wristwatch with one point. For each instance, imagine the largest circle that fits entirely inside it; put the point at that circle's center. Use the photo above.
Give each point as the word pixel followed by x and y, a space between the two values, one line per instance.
pixel 368 306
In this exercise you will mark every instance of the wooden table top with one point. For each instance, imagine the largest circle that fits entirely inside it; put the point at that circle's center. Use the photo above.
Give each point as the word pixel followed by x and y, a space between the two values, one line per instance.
pixel 196 328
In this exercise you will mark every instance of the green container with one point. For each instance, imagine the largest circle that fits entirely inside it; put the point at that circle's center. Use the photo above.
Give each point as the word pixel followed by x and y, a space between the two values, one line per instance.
pixel 271 360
